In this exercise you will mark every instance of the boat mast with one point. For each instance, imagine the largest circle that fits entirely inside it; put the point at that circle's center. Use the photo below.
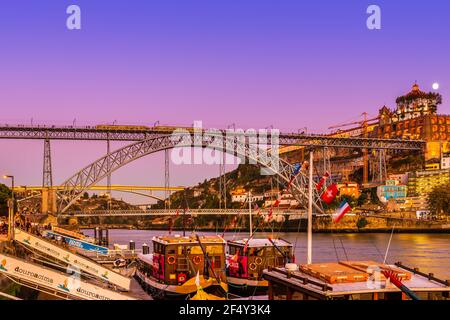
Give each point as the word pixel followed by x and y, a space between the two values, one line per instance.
pixel 310 191
pixel 250 213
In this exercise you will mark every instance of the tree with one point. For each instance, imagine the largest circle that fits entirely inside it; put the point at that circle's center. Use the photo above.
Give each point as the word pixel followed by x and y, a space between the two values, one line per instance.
pixel 362 199
pixel 5 194
pixel 439 200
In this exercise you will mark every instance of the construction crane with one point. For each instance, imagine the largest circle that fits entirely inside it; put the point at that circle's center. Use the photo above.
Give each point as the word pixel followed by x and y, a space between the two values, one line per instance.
pixel 363 124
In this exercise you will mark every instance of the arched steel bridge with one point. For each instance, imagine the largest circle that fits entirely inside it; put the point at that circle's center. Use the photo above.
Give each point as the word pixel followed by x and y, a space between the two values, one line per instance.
pixel 242 146
pixel 81 181
pixel 153 139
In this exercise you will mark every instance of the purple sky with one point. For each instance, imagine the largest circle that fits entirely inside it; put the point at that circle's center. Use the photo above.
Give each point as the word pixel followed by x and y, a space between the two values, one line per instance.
pixel 255 63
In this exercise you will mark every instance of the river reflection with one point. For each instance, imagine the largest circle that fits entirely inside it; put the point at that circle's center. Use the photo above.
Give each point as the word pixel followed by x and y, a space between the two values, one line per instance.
pixel 429 252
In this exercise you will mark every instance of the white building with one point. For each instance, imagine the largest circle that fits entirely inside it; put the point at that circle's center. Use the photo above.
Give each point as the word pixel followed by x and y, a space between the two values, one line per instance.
pixel 445 160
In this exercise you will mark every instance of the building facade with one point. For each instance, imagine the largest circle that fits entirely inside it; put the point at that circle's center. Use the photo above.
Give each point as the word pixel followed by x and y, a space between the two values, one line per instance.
pixel 392 190
pixel 415 117
pixel 349 189
pixel 423 182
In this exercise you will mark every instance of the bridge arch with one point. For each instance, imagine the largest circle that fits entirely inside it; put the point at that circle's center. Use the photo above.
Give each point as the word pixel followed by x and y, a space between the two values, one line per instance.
pixel 93 173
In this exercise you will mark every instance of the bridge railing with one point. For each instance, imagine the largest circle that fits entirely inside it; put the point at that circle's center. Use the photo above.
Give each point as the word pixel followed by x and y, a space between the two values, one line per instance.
pixel 165 212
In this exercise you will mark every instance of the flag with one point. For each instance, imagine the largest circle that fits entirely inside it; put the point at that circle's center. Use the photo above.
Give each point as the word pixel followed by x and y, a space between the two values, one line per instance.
pixel 296 169
pixel 277 203
pixel 343 208
pixel 290 182
pixel 398 283
pixel 258 212
pixel 295 172
pixel 270 215
pixel 330 193
pixel 178 213
pixel 322 181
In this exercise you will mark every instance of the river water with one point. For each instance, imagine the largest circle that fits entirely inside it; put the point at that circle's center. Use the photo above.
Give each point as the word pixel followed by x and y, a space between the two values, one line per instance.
pixel 429 252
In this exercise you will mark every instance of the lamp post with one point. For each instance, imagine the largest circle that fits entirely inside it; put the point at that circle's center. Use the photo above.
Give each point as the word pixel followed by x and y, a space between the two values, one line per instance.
pixel 10 209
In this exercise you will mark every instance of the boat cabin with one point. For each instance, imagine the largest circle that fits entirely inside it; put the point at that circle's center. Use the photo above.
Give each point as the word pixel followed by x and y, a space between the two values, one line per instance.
pixel 176 259
pixel 352 280
pixel 248 260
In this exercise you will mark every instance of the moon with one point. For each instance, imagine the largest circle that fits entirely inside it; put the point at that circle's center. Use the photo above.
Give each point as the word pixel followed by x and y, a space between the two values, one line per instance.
pixel 435 86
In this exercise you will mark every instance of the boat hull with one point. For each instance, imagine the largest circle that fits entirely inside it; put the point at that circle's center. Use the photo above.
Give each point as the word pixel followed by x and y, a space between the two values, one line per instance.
pixel 161 291
pixel 246 287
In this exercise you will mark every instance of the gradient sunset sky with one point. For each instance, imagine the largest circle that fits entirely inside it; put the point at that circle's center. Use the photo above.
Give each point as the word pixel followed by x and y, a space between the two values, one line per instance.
pixel 255 63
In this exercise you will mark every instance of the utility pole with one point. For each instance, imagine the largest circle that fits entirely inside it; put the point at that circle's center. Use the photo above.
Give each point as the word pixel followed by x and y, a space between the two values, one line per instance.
pixel 365 153
pixel 108 179
pixel 310 196
pixel 222 182
pixel 250 213
pixel 166 179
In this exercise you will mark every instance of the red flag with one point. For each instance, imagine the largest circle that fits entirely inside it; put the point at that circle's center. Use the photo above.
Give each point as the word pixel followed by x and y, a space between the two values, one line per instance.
pixel 178 213
pixel 330 193
pixel 270 215
pixel 322 181
pixel 290 182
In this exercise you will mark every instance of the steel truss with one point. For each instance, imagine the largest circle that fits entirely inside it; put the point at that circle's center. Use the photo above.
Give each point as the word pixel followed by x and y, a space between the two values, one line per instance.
pixel 239 146
pixel 174 212
pixel 285 139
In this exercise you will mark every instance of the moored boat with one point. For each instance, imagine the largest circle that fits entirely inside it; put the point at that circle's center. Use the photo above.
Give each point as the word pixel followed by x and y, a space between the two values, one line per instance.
pixel 354 280
pixel 248 258
pixel 180 265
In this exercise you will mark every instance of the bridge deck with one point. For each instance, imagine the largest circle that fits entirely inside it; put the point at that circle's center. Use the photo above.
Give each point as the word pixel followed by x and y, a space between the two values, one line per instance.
pixel 285 139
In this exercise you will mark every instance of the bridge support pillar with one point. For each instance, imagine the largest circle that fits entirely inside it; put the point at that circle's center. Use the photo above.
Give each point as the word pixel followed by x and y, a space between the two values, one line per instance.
pixel 48 204
pixel 47 177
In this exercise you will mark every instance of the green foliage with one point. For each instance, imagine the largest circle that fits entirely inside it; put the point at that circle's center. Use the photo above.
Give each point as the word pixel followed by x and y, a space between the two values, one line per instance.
pixel 439 200
pixel 433 96
pixel 5 194
pixel 410 161
pixel 357 175
pixel 362 199
pixel 374 197
pixel 361 223
pixel 352 201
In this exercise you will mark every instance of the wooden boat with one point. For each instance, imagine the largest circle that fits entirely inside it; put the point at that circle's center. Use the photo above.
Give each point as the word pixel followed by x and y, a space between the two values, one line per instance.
pixel 245 267
pixel 170 272
pixel 348 280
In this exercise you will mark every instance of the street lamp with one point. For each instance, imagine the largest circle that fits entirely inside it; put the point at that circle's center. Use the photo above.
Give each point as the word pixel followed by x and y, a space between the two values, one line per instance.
pixel 10 209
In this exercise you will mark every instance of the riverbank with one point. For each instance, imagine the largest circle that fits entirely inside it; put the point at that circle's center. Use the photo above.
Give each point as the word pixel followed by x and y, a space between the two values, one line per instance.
pixel 349 224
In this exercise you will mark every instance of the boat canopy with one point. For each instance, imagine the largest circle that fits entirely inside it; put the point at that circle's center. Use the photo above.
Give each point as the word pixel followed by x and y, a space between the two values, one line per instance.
pixel 177 239
pixel 257 243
